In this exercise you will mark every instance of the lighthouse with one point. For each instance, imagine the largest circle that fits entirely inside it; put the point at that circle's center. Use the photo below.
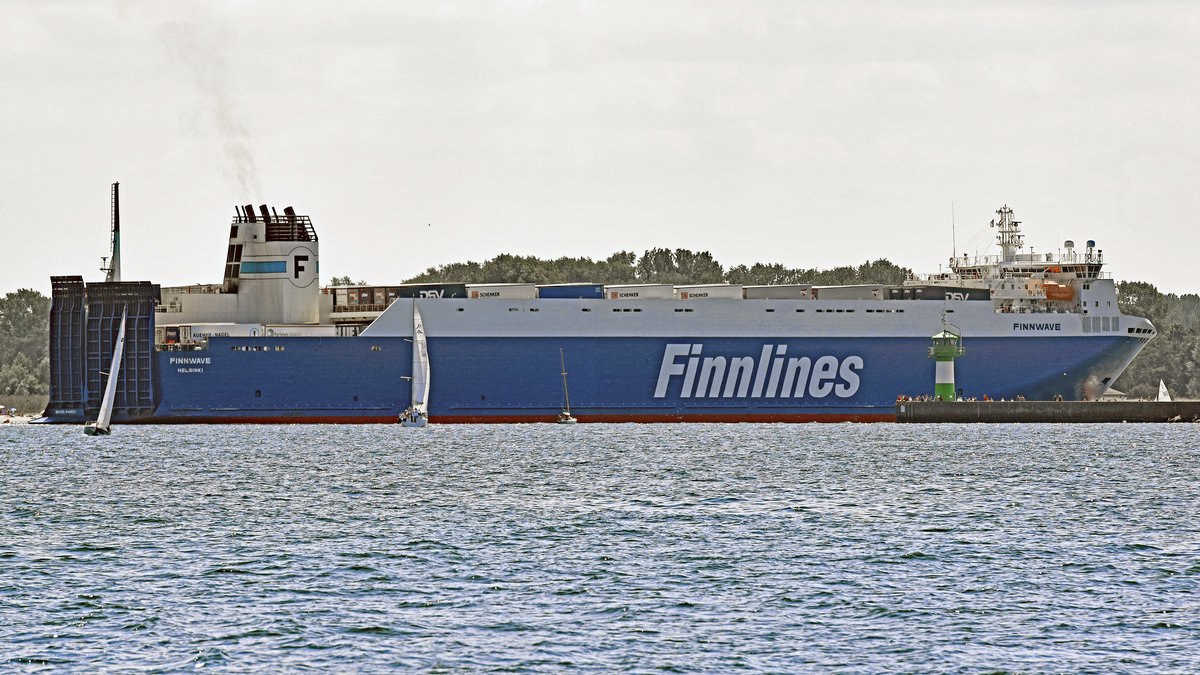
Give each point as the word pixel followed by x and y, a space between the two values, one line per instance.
pixel 946 346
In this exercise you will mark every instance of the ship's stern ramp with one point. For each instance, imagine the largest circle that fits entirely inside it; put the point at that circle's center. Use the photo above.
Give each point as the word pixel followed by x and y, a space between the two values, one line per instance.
pixel 84 322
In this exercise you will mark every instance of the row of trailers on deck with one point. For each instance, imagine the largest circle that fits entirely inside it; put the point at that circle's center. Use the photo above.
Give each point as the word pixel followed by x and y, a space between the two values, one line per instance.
pixel 377 298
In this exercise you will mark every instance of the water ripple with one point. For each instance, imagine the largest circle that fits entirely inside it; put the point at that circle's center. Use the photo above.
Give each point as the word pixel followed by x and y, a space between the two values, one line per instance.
pixel 696 548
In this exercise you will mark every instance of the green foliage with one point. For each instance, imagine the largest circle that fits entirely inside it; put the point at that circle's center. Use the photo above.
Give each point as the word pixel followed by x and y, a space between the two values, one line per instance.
pixel 24 343
pixel 681 266
pixel 24 313
pixel 21 377
pixel 507 268
pixel 655 266
pixel 1173 356
pixel 345 281
pixel 762 275
pixel 1142 299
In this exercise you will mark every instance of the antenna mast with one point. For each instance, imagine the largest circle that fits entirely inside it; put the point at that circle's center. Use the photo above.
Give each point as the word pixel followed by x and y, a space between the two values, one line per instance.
pixel 1008 234
pixel 953 237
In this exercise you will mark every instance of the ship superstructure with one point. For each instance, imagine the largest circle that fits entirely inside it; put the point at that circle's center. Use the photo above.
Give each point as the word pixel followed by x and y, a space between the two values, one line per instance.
pixel 269 345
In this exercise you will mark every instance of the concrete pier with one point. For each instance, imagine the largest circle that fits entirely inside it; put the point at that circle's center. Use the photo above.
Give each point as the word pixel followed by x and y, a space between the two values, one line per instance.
pixel 1048 411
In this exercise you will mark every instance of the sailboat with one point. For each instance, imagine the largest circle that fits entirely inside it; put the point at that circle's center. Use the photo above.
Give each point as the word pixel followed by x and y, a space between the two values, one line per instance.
pixel 1163 394
pixel 564 417
pixel 104 420
pixel 417 414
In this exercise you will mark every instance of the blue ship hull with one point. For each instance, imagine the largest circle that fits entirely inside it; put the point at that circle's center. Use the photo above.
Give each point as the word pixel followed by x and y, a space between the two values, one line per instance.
pixel 497 379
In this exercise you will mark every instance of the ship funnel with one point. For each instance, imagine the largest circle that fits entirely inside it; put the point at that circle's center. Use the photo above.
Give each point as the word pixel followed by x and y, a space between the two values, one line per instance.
pixel 266 213
pixel 1068 244
pixel 290 213
pixel 250 213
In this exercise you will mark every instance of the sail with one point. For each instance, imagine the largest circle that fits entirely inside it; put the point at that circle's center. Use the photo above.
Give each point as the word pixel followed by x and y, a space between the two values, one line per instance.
pixel 1163 394
pixel 566 397
pixel 110 389
pixel 420 365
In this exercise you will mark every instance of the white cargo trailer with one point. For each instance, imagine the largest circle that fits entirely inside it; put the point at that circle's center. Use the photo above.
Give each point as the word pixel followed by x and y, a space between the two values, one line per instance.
pixel 709 291
pixel 855 292
pixel 502 291
pixel 780 292
pixel 640 292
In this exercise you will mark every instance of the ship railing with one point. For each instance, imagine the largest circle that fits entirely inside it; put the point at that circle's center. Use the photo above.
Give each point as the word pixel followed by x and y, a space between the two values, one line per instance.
pixel 288 227
pixel 1052 258
pixel 194 288
pixel 196 345
pixel 359 308
pixel 935 277
pixel 1031 309
pixel 284 230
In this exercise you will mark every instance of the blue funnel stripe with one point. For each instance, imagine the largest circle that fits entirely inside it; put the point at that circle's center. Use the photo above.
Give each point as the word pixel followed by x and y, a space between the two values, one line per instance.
pixel 270 267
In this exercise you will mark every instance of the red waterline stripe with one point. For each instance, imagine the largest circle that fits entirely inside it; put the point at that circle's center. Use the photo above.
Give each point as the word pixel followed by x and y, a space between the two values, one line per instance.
pixel 791 418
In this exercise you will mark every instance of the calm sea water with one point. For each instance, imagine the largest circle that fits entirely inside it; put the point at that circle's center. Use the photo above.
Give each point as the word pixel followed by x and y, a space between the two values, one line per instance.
pixel 646 548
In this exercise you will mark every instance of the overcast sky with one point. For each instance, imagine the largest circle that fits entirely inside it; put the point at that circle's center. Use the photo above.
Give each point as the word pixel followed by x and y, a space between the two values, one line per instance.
pixel 422 133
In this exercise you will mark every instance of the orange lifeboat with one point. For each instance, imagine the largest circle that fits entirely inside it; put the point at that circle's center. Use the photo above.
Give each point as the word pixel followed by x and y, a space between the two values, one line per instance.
pixel 1058 292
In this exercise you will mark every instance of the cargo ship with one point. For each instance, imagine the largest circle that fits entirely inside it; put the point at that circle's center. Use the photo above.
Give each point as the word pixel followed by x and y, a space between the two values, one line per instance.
pixel 269 344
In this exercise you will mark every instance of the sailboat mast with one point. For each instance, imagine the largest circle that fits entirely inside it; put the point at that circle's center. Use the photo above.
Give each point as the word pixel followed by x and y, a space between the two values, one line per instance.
pixel 566 397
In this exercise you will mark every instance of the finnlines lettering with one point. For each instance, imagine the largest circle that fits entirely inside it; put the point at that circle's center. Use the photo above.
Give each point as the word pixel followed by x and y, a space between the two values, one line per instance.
pixel 1037 326
pixel 772 375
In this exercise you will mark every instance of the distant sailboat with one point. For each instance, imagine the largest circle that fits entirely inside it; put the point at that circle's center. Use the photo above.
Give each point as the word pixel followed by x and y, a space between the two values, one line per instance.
pixel 1163 394
pixel 417 414
pixel 564 417
pixel 104 420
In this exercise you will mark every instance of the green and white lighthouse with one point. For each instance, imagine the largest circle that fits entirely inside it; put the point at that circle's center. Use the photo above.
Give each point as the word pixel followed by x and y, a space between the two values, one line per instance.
pixel 946 346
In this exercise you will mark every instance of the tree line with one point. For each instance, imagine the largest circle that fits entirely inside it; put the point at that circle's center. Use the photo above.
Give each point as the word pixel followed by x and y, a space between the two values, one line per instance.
pixel 1173 356
pixel 24 343
pixel 655 266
